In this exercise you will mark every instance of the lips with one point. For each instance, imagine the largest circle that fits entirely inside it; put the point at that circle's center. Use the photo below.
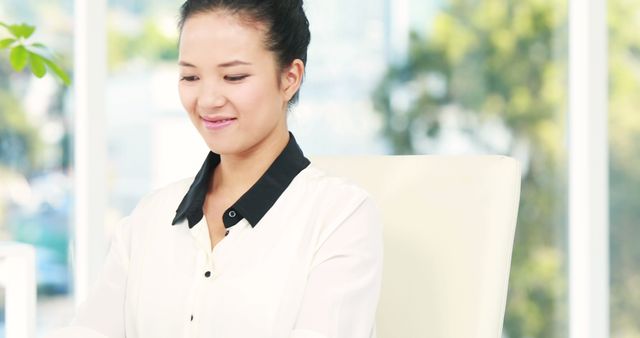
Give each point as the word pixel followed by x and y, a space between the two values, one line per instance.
pixel 217 122
pixel 217 118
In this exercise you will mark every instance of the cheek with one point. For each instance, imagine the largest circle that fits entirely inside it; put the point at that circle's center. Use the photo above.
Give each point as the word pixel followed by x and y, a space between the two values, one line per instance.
pixel 187 97
pixel 256 97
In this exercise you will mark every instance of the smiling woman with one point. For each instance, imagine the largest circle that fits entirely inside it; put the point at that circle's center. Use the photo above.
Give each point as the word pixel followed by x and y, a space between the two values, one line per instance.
pixel 260 242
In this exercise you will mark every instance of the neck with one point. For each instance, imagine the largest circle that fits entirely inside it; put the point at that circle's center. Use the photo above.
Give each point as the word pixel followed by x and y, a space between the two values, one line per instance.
pixel 236 173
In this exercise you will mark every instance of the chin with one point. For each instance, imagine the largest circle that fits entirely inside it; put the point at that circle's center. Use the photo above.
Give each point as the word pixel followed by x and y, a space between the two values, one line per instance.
pixel 223 146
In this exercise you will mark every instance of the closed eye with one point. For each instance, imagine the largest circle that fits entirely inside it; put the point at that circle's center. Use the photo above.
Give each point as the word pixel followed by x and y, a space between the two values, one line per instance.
pixel 188 78
pixel 235 78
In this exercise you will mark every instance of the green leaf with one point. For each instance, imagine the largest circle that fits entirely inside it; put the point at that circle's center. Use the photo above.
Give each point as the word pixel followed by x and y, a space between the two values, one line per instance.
pixel 19 57
pixel 38 67
pixel 4 43
pixel 58 71
pixel 21 30
pixel 40 49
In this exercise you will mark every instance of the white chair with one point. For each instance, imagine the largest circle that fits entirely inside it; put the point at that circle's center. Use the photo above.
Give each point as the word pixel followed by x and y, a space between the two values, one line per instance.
pixel 449 228
pixel 18 277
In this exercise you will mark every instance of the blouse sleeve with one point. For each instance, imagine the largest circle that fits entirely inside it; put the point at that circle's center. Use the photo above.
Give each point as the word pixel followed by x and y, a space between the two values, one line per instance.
pixel 343 287
pixel 101 315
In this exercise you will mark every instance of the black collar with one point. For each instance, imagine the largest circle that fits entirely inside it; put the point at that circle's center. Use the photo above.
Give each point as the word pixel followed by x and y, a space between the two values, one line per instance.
pixel 255 203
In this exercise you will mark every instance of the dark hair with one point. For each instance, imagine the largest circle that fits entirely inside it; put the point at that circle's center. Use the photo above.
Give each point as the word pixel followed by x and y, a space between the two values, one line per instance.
pixel 287 34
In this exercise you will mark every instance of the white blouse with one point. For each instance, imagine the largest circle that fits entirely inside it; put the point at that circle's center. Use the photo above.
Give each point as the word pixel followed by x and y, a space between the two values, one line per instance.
pixel 309 266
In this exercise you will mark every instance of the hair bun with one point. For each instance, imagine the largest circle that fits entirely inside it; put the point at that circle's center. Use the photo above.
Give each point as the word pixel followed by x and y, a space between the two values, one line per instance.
pixel 296 4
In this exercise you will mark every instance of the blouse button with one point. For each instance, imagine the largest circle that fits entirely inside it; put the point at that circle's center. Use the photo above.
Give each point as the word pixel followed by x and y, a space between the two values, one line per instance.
pixel 191 317
pixel 207 274
pixel 232 213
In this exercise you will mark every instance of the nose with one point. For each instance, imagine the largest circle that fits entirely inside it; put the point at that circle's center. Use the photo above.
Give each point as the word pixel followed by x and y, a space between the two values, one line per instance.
pixel 211 96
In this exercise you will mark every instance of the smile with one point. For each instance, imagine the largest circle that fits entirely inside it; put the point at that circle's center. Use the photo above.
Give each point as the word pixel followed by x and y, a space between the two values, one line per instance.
pixel 218 123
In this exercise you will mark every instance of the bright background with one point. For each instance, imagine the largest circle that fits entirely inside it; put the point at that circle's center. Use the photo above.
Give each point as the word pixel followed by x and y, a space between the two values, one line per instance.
pixel 383 77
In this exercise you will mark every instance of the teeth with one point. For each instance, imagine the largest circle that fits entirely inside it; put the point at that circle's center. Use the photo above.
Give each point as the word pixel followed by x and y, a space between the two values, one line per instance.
pixel 220 121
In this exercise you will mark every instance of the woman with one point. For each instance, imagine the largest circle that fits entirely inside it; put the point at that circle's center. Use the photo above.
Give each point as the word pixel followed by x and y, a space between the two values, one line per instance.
pixel 262 243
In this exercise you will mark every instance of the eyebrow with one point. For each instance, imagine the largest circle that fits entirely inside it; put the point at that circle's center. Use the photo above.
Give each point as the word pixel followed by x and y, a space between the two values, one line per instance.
pixel 234 63
pixel 185 64
pixel 226 64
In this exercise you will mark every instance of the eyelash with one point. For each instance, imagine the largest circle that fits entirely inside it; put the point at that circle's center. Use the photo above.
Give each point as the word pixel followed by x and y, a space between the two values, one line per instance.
pixel 235 78
pixel 229 78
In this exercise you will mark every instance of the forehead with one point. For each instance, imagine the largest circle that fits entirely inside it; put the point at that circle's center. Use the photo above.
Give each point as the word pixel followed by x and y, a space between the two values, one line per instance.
pixel 219 36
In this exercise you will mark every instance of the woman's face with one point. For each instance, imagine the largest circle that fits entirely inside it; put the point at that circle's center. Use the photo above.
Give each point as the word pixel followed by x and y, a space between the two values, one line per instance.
pixel 227 73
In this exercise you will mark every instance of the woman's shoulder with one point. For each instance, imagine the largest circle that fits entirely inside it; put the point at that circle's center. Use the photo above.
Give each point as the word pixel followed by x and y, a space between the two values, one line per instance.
pixel 336 198
pixel 335 187
pixel 166 196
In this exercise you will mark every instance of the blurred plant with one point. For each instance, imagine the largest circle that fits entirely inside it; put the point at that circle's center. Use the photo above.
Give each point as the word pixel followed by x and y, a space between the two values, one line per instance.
pixel 36 55
pixel 20 143
pixel 624 161
pixel 147 42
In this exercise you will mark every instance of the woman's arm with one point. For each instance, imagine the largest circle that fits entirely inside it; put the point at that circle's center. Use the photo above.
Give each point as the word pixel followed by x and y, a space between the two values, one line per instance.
pixel 343 288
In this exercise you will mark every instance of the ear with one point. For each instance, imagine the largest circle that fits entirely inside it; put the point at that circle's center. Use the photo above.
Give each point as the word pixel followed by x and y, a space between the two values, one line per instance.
pixel 292 78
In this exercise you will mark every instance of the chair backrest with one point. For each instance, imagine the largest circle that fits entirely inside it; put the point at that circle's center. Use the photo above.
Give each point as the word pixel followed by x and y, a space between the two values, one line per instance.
pixel 449 228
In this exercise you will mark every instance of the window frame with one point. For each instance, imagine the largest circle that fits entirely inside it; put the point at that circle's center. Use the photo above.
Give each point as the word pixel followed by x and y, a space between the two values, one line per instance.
pixel 89 242
pixel 588 170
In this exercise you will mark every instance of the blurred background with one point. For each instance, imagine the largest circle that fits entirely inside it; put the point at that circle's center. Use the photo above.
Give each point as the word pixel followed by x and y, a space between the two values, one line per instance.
pixel 383 77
